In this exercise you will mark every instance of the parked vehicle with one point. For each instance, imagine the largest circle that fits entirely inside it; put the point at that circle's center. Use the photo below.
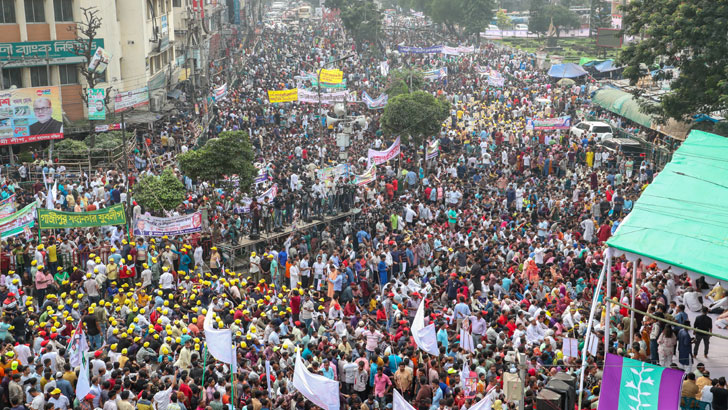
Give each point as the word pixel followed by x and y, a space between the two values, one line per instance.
pixel 628 147
pixel 602 130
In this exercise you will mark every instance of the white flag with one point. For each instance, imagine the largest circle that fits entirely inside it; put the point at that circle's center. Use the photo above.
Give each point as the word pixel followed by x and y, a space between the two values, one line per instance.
pixel 320 390
pixel 77 348
pixel 485 404
pixel 83 386
pixel 220 342
pixel 466 340
pixel 425 337
pixel 464 374
pixel 267 377
pixel 51 196
pixel 400 403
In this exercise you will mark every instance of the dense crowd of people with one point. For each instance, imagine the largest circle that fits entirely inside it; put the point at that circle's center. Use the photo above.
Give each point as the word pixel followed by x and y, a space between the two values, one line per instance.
pixel 502 234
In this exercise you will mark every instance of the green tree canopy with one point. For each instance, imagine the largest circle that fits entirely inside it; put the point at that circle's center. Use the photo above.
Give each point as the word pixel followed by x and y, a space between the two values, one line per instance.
pixel 229 154
pixel 537 21
pixel 362 19
pixel 503 21
pixel 460 17
pixel 159 193
pixel 689 35
pixel 562 18
pixel 418 114
pixel 404 80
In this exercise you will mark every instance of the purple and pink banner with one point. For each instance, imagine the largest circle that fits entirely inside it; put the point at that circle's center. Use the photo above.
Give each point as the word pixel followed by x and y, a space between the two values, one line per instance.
pixel 630 384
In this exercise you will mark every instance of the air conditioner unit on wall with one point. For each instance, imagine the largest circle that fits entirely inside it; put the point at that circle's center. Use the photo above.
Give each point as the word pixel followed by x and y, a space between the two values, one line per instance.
pixel 156 103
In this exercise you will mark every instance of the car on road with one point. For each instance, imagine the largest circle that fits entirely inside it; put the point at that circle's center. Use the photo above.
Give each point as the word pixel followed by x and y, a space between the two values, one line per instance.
pixel 583 129
pixel 628 147
pixel 521 27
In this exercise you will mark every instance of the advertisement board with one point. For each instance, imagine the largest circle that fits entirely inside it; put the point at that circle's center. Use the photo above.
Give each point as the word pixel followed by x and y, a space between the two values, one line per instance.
pixel 30 114
pixel 96 107
pixel 131 99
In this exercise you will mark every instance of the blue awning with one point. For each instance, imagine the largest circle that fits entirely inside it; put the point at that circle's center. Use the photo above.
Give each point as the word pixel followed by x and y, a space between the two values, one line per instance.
pixel 606 66
pixel 566 70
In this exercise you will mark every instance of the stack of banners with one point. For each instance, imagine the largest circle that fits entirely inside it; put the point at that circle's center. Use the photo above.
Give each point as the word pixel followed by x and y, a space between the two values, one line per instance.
pixel 331 76
pixel 147 225
pixel 433 149
pixel 556 123
pixel 370 175
pixel 436 74
pixel 220 92
pixel 331 174
pixel 375 103
pixel 7 206
pixel 263 198
pixel 108 127
pixel 380 157
pixel 282 96
pixel 52 219
pixel 16 223
pixel 312 97
pixel 496 79
pixel 131 99
pixel 437 50
pixel 629 384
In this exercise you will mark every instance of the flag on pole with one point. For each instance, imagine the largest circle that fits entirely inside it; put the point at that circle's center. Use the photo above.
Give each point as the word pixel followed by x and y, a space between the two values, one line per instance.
pixel 51 196
pixel 219 342
pixel 630 384
pixel 399 403
pixel 267 377
pixel 425 336
pixel 320 390
pixel 77 347
pixel 83 386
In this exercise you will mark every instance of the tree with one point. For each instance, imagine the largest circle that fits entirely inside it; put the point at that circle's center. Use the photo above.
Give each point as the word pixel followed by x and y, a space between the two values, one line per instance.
pixel 600 16
pixel 417 115
pixel 404 80
pixel 503 21
pixel 561 17
pixel 86 31
pixel 229 154
pixel 690 36
pixel 362 19
pixel 159 193
pixel 460 17
pixel 537 21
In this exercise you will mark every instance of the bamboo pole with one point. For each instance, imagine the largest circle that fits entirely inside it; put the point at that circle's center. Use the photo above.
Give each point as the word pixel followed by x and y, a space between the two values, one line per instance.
pixel 670 322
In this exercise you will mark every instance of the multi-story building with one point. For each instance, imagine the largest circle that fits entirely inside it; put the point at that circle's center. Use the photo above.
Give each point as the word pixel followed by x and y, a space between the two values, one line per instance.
pixel 152 43
pixel 36 46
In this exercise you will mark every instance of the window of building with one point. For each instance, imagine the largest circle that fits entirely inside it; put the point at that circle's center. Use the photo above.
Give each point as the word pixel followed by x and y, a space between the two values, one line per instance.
pixel 34 11
pixel 177 3
pixel 68 73
pixel 63 10
pixel 38 76
pixel 7 11
pixel 165 58
pixel 12 77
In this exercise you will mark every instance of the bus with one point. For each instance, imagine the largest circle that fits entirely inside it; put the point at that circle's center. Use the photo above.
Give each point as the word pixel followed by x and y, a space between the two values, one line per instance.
pixel 304 12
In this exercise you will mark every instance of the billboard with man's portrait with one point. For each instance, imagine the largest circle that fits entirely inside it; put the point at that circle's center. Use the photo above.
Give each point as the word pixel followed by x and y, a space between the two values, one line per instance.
pixel 30 115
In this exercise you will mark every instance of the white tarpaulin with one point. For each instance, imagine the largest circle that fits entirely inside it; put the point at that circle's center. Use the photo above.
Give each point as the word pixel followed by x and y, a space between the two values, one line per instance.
pixel 320 390
pixel 425 336
pixel 219 342
pixel 399 403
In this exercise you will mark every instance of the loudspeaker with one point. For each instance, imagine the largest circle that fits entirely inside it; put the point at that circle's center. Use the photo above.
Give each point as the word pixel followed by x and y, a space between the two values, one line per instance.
pixel 254 236
pixel 567 393
pixel 548 400
pixel 567 378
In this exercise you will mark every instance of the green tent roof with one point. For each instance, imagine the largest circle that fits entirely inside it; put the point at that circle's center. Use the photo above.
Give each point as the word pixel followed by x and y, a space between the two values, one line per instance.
pixel 621 103
pixel 681 219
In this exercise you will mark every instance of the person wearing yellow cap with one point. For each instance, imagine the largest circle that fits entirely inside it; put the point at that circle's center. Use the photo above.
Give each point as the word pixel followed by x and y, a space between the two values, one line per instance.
pixel 255 268
pixel 215 261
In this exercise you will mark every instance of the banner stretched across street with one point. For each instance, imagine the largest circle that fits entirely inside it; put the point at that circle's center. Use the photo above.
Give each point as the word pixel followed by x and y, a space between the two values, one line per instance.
pixel 52 219
pixel 147 225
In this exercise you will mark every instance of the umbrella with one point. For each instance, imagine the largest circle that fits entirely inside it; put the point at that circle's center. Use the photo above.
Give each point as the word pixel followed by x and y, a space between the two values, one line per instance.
pixel 566 81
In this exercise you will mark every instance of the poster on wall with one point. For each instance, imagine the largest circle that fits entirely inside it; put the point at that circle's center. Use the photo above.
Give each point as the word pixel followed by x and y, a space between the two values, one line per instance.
pixel 96 107
pixel 30 115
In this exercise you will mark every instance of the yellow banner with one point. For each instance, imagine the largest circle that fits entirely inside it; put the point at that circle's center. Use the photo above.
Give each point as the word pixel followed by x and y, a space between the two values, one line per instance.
pixel 331 76
pixel 283 95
